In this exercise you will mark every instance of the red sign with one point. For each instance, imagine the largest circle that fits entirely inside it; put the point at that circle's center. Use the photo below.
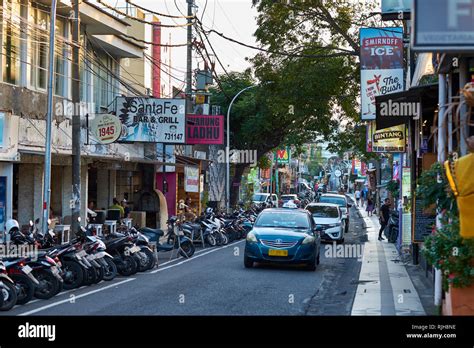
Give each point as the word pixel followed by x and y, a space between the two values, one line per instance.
pixel 205 129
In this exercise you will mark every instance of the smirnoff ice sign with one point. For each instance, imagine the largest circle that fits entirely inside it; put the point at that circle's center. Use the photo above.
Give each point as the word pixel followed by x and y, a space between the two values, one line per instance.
pixel 381 60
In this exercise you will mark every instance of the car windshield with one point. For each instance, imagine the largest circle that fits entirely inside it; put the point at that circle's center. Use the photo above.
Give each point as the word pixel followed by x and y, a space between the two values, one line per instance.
pixel 323 211
pixel 259 198
pixel 335 200
pixel 283 220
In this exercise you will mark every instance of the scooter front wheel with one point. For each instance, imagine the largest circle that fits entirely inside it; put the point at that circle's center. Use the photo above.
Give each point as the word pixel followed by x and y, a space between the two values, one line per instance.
pixel 187 249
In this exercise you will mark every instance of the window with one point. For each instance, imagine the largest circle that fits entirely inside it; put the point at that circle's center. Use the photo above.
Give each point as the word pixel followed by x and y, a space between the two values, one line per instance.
pixel 62 52
pixel 10 41
pixel 39 47
pixel 104 82
pixel 283 220
pixel 323 211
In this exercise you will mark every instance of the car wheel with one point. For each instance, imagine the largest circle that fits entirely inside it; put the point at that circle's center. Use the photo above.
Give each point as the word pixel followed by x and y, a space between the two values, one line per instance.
pixel 248 263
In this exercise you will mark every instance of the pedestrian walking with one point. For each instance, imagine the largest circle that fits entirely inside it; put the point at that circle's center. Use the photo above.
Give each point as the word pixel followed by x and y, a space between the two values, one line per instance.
pixel 357 196
pixel 370 206
pixel 384 217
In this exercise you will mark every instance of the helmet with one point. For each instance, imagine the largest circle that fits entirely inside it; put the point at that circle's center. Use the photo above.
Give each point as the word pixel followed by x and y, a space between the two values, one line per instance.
pixel 11 224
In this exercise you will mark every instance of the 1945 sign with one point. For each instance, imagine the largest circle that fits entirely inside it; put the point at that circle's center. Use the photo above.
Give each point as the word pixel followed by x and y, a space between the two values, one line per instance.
pixel 151 120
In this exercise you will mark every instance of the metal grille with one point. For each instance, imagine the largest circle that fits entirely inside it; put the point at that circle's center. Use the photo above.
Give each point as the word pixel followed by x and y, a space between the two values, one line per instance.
pixel 275 244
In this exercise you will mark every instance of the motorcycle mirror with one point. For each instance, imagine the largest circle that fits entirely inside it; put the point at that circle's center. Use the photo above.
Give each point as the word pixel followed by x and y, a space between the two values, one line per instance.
pixel 31 223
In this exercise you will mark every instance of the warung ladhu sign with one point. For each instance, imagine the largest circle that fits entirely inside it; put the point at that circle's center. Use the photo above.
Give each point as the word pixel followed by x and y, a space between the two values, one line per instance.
pixel 151 120
pixel 205 129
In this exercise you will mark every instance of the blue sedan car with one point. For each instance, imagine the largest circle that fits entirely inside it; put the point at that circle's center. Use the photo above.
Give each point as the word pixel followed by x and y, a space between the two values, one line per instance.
pixel 283 236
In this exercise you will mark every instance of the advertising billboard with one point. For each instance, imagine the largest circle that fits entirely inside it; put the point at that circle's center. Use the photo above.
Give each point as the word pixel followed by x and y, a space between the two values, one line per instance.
pixel 392 139
pixel 283 156
pixel 381 61
pixel 151 120
pixel 443 26
pixel 205 129
pixel 191 179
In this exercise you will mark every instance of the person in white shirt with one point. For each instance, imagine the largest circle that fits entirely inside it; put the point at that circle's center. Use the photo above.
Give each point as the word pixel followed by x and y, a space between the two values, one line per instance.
pixel 357 196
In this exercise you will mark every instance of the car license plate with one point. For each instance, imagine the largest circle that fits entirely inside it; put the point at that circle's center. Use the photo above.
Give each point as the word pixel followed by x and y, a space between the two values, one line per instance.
pixel 27 269
pixel 273 252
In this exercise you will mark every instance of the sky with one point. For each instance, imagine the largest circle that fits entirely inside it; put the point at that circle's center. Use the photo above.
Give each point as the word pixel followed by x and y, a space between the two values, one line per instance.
pixel 233 18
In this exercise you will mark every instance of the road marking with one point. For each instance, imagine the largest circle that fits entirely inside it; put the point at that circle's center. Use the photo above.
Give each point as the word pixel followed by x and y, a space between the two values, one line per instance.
pixel 124 281
pixel 195 257
pixel 54 304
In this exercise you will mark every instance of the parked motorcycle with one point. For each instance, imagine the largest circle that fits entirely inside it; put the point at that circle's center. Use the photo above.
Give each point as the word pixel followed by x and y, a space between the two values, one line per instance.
pixel 8 291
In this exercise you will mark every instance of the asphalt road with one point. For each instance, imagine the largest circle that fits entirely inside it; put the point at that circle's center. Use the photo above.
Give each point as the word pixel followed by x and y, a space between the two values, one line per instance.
pixel 215 282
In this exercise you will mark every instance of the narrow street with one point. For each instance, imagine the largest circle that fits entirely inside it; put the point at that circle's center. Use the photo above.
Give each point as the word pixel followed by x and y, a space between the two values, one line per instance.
pixel 215 282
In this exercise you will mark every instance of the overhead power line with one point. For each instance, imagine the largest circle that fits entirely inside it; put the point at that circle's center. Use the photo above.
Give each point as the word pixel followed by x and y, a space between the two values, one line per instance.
pixel 157 13
pixel 344 52
pixel 142 20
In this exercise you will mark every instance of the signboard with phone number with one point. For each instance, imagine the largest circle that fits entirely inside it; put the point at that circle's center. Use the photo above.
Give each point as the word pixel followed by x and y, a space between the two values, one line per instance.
pixel 151 120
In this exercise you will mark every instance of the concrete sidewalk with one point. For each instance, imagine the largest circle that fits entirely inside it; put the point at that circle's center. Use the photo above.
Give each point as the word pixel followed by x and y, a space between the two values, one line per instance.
pixel 384 286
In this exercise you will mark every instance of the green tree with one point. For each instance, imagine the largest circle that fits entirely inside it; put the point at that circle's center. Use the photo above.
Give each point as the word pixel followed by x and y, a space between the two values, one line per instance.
pixel 309 58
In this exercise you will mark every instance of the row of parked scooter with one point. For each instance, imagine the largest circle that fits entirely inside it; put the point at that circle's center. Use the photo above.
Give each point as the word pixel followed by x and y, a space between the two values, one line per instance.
pixel 89 259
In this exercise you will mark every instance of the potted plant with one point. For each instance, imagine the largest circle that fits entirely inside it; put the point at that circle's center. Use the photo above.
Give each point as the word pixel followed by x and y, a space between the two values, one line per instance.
pixel 445 249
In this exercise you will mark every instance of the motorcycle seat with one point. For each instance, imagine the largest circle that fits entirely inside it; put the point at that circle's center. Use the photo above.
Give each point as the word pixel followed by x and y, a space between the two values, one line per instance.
pixel 156 231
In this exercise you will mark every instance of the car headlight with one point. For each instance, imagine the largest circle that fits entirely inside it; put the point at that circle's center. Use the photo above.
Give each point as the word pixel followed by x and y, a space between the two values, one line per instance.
pixel 308 240
pixel 333 225
pixel 251 237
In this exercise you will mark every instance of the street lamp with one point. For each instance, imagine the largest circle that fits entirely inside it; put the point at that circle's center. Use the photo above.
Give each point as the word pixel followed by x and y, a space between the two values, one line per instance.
pixel 227 198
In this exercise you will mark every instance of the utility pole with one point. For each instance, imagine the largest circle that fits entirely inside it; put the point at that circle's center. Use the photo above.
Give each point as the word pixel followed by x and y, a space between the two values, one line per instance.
pixel 49 121
pixel 189 61
pixel 76 122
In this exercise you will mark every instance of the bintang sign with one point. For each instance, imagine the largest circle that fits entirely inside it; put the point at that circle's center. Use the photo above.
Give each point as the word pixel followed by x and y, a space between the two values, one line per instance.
pixel 443 26
pixel 391 139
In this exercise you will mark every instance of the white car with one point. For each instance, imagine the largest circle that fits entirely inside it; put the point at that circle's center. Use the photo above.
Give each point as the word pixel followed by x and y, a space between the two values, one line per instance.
pixel 269 199
pixel 342 202
pixel 329 220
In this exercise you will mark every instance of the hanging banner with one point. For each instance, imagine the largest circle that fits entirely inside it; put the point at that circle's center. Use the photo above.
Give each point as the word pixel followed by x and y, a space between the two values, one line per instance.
pixel 391 139
pixel 151 120
pixel 105 128
pixel 205 129
pixel 283 156
pixel 191 179
pixel 381 61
